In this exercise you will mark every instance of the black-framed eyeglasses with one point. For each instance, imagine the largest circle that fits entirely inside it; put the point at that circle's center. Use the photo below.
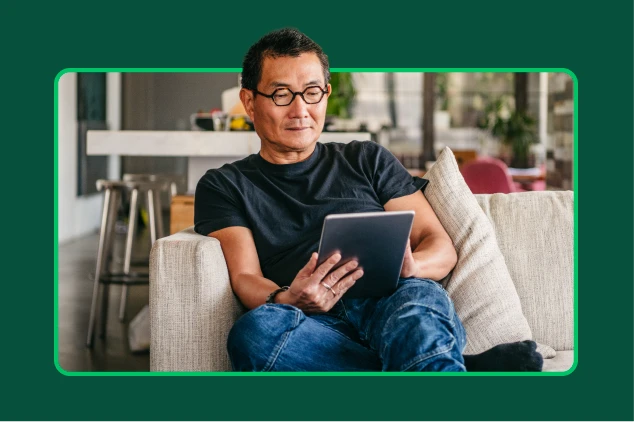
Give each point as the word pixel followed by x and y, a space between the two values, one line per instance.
pixel 283 96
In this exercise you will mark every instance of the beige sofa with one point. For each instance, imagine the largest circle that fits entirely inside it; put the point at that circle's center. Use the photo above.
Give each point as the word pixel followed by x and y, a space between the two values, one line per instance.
pixel 193 307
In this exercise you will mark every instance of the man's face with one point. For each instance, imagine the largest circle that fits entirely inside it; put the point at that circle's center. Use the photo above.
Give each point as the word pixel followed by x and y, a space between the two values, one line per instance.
pixel 296 126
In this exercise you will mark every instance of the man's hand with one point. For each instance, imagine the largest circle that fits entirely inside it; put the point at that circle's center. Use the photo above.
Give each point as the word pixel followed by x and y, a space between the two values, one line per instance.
pixel 317 289
pixel 410 266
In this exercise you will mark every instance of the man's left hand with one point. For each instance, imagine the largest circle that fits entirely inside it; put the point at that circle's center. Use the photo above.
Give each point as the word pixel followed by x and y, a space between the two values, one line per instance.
pixel 410 266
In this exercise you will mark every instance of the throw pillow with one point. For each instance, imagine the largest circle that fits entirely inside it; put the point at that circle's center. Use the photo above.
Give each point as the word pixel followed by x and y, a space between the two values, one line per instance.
pixel 480 285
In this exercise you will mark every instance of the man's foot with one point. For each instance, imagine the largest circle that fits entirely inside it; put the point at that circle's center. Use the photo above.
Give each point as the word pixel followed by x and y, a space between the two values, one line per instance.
pixel 509 357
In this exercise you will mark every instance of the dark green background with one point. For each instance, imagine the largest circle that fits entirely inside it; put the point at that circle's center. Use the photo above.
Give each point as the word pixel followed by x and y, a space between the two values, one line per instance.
pixel 593 41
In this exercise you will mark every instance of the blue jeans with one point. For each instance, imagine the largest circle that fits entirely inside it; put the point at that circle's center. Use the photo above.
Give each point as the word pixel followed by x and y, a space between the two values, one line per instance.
pixel 414 329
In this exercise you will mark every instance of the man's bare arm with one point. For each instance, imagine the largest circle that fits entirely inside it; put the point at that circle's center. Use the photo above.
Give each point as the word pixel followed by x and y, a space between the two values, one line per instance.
pixel 432 252
pixel 247 281
pixel 306 291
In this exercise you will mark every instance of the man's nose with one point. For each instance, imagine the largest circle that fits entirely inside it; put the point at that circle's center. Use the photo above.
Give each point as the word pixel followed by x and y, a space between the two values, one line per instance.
pixel 298 108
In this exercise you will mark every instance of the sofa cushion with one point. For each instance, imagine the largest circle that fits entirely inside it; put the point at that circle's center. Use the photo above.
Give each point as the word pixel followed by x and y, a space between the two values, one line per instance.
pixel 539 258
pixel 480 285
pixel 560 363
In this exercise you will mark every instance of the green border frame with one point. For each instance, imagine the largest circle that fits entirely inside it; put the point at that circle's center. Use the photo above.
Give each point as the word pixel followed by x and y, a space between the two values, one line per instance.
pixel 357 374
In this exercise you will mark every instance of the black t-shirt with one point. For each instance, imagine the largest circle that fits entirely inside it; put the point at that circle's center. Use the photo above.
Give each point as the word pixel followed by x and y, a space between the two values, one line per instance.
pixel 284 205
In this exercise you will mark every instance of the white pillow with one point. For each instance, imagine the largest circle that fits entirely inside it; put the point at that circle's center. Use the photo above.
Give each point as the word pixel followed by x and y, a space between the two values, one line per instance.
pixel 480 285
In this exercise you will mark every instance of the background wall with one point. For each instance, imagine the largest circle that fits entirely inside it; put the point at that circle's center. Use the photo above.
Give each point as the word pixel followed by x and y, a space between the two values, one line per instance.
pixel 136 101
pixel 78 216
pixel 165 101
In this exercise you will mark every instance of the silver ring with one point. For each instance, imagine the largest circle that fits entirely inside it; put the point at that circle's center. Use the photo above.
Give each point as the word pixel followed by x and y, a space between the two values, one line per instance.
pixel 326 286
pixel 333 292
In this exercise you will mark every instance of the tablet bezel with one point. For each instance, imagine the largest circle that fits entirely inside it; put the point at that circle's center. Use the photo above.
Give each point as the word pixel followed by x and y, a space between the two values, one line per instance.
pixel 382 258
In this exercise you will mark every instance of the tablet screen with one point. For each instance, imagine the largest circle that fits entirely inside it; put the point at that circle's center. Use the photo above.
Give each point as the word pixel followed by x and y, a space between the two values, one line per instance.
pixel 377 240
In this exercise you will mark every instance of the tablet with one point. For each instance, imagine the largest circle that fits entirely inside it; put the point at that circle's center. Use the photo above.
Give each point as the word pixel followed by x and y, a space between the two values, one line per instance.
pixel 377 240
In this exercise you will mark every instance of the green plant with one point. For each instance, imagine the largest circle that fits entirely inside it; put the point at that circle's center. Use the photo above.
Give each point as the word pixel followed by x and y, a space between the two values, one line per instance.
pixel 341 100
pixel 516 130
pixel 442 99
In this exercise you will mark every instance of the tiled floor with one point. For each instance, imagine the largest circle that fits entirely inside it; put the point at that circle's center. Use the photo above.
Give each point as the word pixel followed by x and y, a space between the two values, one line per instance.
pixel 77 260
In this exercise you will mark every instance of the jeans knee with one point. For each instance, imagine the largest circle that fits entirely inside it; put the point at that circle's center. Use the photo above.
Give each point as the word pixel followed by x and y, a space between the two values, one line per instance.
pixel 423 293
pixel 419 329
pixel 255 339
pixel 430 298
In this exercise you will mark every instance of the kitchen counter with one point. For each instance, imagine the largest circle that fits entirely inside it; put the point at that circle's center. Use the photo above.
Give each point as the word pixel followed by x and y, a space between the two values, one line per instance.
pixel 189 143
pixel 204 149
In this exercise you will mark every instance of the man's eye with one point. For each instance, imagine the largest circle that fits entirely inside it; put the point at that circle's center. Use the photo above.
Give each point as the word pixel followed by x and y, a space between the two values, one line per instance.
pixel 282 95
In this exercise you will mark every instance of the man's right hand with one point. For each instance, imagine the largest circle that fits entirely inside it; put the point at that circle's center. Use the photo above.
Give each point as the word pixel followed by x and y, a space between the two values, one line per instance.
pixel 317 289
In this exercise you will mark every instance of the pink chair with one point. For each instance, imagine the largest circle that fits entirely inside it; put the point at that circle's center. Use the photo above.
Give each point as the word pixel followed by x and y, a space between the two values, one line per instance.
pixel 488 175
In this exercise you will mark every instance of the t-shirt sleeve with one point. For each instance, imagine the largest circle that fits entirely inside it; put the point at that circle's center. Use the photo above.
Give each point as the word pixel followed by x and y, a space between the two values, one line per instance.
pixel 215 208
pixel 389 178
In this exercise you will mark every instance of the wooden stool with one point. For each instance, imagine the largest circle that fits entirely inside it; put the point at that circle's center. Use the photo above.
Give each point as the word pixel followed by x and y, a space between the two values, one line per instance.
pixel 113 193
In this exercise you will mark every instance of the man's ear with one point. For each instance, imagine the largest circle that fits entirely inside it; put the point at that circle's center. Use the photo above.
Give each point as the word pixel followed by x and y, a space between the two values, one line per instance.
pixel 329 89
pixel 247 98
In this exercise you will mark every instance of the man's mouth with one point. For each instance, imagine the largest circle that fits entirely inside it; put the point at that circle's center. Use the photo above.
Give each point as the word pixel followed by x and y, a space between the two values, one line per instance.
pixel 297 129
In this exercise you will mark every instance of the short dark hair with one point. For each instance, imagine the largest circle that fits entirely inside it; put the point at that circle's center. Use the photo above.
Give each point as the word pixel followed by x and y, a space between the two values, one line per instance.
pixel 281 43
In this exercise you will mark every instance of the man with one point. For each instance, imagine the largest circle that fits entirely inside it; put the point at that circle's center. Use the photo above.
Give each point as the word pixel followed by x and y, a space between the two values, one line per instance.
pixel 267 212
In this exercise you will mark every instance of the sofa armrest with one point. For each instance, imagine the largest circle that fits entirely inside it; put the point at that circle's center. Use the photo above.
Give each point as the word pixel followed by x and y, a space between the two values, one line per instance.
pixel 192 306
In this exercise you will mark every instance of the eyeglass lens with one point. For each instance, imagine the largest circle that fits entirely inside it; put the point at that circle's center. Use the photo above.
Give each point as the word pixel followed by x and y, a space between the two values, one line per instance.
pixel 311 95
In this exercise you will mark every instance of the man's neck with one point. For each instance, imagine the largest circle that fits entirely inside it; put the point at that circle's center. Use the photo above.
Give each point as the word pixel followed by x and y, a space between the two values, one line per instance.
pixel 286 157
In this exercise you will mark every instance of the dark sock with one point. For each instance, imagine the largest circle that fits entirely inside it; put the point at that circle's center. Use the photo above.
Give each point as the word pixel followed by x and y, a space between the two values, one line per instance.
pixel 521 356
